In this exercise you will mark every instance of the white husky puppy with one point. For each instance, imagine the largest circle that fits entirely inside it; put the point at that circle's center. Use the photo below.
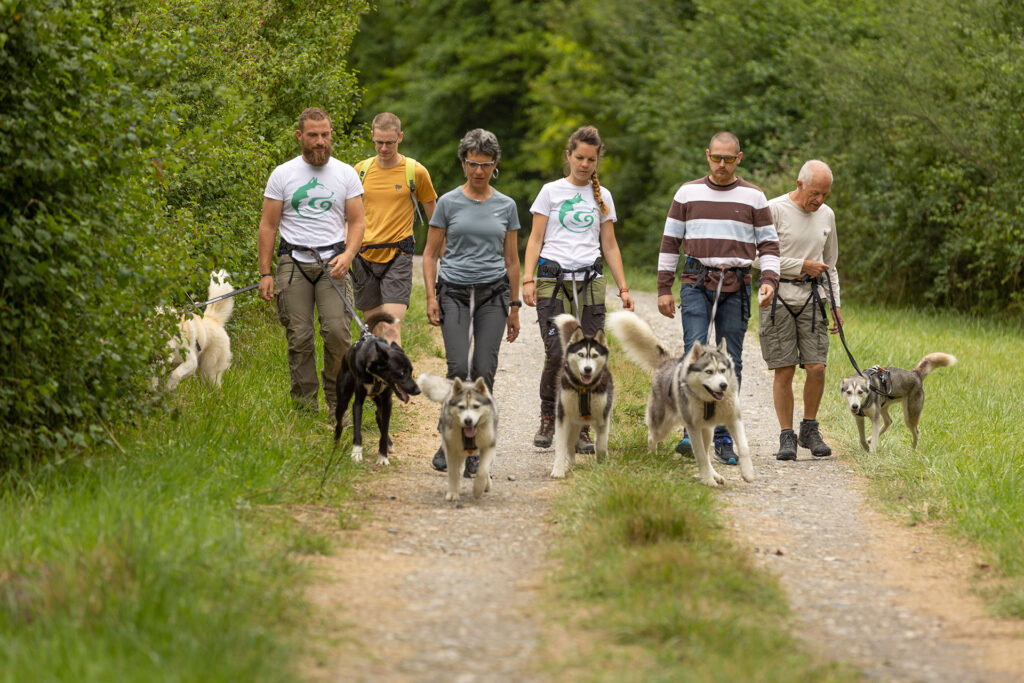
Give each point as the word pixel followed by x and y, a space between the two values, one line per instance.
pixel 698 390
pixel 907 387
pixel 585 392
pixel 202 344
pixel 468 426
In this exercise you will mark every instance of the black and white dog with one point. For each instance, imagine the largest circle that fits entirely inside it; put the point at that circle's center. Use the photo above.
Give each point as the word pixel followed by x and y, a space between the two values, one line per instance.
pixel 375 368
pixel 585 392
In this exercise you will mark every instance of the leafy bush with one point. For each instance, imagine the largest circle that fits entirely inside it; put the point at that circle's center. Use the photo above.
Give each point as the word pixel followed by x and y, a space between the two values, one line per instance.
pixel 136 139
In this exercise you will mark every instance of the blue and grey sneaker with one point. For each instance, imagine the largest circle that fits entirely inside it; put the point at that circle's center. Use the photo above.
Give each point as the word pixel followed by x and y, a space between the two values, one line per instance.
pixel 723 450
pixel 684 447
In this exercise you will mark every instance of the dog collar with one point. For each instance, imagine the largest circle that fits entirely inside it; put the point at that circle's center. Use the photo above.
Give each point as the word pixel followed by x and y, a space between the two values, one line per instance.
pixel 709 410
pixel 468 443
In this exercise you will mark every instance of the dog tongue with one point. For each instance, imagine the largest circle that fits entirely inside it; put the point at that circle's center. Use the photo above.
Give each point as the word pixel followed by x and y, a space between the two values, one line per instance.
pixel 469 432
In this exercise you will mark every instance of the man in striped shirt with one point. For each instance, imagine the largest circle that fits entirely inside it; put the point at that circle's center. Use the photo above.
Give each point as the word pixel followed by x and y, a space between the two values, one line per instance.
pixel 721 223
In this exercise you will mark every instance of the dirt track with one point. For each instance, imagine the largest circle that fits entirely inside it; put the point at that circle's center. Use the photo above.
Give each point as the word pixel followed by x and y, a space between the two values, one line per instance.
pixel 425 591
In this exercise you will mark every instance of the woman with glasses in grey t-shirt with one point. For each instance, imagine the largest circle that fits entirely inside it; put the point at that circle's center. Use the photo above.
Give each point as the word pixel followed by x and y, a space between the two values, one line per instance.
pixel 474 227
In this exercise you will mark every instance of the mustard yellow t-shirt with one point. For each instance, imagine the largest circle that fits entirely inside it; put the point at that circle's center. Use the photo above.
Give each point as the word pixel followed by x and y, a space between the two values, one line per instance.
pixel 389 208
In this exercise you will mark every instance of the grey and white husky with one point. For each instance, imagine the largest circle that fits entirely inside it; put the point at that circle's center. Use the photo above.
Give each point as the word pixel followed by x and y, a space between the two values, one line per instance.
pixel 698 390
pixel 907 388
pixel 585 392
pixel 468 426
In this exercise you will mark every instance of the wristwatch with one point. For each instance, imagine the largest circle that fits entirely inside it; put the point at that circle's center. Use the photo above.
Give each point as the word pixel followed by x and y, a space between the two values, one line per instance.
pixel 517 303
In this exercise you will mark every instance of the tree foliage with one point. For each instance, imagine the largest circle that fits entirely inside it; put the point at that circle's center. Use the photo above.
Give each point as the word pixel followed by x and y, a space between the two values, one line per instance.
pixel 915 105
pixel 136 137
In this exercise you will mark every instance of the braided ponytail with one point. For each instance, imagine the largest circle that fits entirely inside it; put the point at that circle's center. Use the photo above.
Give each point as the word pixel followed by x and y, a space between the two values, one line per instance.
pixel 597 193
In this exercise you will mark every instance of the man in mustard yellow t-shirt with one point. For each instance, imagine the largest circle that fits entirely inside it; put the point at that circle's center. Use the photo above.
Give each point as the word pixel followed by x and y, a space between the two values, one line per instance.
pixel 383 271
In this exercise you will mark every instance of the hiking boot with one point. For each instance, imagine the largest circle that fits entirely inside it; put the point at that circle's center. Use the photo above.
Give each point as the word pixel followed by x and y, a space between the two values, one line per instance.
pixel 542 439
pixel 472 463
pixel 723 450
pixel 440 463
pixel 684 447
pixel 811 439
pixel 584 444
pixel 787 445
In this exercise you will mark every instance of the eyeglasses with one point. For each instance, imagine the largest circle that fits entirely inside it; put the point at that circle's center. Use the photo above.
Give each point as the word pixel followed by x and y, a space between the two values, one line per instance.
pixel 482 165
pixel 384 143
pixel 727 158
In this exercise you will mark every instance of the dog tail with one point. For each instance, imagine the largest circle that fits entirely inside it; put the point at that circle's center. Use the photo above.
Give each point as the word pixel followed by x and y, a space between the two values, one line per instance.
pixel 219 285
pixel 434 387
pixel 637 337
pixel 933 361
pixel 566 325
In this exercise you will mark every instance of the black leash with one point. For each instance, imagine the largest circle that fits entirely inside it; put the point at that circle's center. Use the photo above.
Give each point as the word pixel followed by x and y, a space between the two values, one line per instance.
pixel 315 253
pixel 879 379
pixel 839 324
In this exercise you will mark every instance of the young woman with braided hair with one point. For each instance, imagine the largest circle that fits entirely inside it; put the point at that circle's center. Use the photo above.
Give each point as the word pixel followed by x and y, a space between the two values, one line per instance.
pixel 573 225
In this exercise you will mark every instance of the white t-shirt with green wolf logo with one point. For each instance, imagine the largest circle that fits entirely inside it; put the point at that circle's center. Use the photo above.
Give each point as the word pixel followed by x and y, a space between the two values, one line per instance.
pixel 314 202
pixel 573 235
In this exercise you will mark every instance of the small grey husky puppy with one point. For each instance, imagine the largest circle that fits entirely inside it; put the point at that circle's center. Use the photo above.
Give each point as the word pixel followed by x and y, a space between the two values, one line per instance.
pixel 585 392
pixel 907 388
pixel 468 425
pixel 698 390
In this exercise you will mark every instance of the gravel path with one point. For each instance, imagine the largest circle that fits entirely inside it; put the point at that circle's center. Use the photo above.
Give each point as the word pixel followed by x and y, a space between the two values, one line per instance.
pixel 433 592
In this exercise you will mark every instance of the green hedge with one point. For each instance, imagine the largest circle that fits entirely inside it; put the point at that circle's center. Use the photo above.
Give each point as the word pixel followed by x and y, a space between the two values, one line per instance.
pixel 136 140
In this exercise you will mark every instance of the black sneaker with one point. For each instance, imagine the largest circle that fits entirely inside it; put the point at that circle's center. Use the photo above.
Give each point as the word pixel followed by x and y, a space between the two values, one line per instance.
pixel 440 463
pixel 472 463
pixel 787 445
pixel 810 439
pixel 723 450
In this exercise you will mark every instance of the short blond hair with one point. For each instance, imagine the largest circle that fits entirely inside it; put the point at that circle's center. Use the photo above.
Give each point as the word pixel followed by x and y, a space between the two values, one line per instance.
pixel 386 121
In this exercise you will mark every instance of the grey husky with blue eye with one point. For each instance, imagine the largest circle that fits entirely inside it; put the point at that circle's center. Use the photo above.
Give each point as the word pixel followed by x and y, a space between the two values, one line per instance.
pixel 468 426
pixel 698 390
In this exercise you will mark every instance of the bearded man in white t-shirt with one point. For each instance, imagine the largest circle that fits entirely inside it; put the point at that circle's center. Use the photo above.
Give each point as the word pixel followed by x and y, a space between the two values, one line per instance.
pixel 316 202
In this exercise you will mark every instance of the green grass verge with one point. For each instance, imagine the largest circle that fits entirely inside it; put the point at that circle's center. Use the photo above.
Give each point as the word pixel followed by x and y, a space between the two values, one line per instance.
pixel 647 567
pixel 968 469
pixel 177 559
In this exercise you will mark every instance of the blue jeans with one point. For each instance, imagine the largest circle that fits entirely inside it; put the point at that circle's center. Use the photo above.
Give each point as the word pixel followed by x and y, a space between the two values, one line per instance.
pixel 730 324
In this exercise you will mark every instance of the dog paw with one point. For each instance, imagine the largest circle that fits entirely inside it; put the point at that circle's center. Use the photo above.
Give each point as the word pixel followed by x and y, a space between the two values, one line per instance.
pixel 382 460
pixel 558 473
pixel 357 454
pixel 452 497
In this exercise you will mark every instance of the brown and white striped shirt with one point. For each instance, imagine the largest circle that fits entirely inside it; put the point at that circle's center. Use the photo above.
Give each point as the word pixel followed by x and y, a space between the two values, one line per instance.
pixel 722 226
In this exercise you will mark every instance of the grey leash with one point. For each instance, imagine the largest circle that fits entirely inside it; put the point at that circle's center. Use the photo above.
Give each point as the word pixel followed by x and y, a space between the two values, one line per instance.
pixel 469 346
pixel 576 300
pixel 714 306
pixel 204 304
pixel 348 304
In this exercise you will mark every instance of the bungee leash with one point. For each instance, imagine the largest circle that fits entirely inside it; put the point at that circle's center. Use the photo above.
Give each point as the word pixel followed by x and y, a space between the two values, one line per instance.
pixel 315 253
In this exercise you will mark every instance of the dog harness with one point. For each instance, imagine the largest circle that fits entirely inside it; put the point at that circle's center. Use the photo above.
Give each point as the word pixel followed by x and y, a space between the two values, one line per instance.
pixel 584 401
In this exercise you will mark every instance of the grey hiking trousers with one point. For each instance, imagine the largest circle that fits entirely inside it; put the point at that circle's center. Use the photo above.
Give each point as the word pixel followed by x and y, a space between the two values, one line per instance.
pixel 490 316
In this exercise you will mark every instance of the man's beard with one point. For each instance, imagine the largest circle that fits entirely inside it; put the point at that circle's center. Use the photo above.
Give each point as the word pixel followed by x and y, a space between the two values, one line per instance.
pixel 317 157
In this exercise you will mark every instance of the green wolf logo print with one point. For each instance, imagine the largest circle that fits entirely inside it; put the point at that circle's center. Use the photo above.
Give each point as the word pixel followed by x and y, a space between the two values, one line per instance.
pixel 309 201
pixel 575 215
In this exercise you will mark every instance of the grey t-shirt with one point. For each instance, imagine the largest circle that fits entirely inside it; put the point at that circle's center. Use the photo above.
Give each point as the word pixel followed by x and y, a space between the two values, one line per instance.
pixel 475 231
